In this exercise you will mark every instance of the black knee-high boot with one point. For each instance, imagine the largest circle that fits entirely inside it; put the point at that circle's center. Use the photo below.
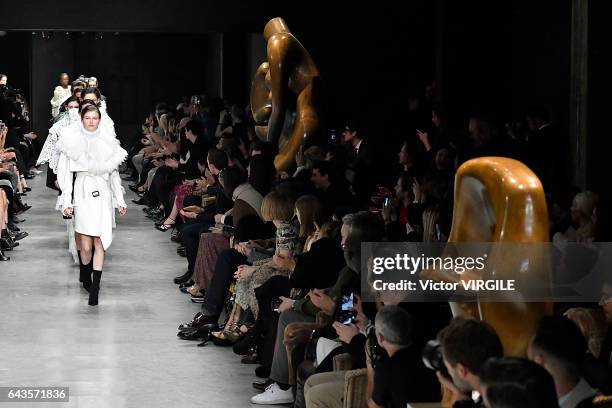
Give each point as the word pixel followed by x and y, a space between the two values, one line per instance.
pixel 85 271
pixel 95 288
pixel 81 267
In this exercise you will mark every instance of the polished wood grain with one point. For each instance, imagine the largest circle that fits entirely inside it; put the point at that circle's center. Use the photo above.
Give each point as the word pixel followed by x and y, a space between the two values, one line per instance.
pixel 285 94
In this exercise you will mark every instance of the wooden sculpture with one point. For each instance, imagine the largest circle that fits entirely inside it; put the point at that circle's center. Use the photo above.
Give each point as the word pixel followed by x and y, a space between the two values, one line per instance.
pixel 285 94
pixel 501 200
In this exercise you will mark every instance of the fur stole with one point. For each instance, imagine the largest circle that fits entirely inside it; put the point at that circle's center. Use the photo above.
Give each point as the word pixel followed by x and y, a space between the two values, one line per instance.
pixel 98 151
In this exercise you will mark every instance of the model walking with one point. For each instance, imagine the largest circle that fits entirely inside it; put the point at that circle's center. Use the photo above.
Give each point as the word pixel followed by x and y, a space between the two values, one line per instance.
pixel 92 153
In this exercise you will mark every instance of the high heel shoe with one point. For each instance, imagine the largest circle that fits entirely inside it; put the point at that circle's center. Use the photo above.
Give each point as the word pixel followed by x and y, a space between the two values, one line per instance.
pixel 2 257
pixel 165 227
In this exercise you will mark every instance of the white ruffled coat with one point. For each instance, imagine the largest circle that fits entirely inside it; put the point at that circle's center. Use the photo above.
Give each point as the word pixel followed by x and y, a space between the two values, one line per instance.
pixel 94 157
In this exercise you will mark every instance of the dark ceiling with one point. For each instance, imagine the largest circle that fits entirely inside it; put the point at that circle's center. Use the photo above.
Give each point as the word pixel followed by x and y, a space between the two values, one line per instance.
pixel 141 16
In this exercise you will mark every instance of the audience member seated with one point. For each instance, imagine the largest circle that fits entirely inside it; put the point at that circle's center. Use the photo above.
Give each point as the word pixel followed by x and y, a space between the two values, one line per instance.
pixel 415 383
pixel 516 383
pixel 331 190
pixel 598 369
pixel 357 228
pixel 466 345
pixel 559 347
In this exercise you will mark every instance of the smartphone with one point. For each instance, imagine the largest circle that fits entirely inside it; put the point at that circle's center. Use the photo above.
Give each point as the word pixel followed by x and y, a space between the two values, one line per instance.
pixel 438 233
pixel 332 135
pixel 347 315
pixel 276 303
pixel 386 202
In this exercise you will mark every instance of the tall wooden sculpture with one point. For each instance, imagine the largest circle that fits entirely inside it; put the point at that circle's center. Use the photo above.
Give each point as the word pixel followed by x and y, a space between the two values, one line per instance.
pixel 501 200
pixel 285 94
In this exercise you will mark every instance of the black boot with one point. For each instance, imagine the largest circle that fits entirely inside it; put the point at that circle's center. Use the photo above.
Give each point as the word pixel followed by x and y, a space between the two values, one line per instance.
pixel 86 275
pixel 2 257
pixel 81 270
pixel 95 288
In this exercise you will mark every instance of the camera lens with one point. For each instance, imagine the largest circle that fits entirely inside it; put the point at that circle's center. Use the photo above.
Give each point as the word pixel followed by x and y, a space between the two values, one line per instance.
pixel 432 356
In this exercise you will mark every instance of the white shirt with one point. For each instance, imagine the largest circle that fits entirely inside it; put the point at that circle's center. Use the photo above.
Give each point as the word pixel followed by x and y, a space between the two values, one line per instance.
pixel 579 393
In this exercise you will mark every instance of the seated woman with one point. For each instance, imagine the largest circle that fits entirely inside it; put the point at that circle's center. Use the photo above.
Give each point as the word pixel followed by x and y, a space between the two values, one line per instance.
pixel 3 219
pixel 174 172
pixel 316 268
pixel 279 209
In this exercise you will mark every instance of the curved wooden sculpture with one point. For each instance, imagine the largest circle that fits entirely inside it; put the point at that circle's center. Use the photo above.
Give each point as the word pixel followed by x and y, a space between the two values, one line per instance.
pixel 501 200
pixel 285 98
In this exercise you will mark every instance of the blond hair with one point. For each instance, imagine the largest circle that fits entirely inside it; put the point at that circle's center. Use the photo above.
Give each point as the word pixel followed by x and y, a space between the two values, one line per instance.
pixel 276 206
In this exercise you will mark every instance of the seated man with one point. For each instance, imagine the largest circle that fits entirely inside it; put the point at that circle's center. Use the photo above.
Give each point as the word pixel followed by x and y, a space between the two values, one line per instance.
pixel 356 228
pixel 466 345
pixel 400 376
pixel 563 360
pixel 516 383
pixel 201 220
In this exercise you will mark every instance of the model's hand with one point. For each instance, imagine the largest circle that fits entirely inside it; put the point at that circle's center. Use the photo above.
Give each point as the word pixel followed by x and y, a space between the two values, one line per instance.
pixel 122 211
pixel 68 212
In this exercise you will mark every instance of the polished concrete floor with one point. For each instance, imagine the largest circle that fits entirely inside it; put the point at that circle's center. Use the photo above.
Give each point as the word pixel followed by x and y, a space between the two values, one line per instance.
pixel 122 353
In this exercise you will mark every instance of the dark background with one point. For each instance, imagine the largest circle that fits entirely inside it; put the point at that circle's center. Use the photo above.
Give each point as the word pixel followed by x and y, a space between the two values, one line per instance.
pixel 499 56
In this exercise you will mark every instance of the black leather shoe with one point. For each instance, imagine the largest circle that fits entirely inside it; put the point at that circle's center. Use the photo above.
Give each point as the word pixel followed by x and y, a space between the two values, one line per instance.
pixel 20 235
pixel 262 385
pixel 183 278
pixel 200 320
pixel 194 334
pixel 7 244
pixel 141 201
pixel 3 258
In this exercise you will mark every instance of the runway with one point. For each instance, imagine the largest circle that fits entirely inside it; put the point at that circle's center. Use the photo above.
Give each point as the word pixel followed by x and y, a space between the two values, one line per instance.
pixel 122 353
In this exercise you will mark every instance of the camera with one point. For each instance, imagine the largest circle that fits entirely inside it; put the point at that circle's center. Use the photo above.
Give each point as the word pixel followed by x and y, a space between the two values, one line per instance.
pixel 433 359
pixel 332 135
pixel 375 351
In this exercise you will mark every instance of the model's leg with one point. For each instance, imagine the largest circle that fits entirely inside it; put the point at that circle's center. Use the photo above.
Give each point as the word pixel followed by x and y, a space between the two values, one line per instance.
pixel 85 258
pixel 98 257
pixel 98 263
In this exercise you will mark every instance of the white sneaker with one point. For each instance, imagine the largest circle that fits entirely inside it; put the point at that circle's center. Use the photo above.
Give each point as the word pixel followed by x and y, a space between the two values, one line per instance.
pixel 273 395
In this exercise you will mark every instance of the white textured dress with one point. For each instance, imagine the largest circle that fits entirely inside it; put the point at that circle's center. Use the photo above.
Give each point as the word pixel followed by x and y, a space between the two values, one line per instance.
pixel 60 94
pixel 49 153
pixel 94 157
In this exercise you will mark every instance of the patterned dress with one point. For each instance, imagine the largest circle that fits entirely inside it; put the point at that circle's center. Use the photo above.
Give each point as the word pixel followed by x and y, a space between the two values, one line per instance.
pixel 286 241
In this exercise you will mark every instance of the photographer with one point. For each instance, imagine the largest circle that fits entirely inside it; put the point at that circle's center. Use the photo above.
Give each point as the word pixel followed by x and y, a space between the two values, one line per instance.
pixel 400 377
pixel 466 344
